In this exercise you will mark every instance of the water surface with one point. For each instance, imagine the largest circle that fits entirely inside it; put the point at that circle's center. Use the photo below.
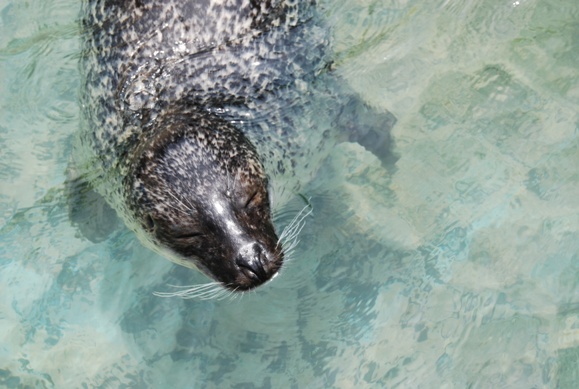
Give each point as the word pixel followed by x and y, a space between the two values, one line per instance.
pixel 458 269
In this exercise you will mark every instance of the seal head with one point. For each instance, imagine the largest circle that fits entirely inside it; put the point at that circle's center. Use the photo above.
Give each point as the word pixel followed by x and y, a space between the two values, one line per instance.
pixel 198 193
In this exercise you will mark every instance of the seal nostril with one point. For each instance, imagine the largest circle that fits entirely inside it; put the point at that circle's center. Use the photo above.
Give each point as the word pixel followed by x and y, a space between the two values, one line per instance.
pixel 253 260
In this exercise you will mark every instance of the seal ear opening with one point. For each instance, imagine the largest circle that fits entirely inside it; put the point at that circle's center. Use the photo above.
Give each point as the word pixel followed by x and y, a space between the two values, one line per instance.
pixel 149 223
pixel 250 199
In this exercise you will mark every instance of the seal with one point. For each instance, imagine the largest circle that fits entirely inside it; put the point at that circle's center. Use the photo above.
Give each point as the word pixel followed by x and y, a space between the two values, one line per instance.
pixel 194 111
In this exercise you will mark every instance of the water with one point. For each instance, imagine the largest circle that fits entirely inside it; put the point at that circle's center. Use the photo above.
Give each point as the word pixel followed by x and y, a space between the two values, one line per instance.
pixel 460 269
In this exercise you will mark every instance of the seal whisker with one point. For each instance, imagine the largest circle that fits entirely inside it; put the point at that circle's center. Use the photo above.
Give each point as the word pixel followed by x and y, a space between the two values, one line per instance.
pixel 290 229
pixel 289 253
pixel 209 295
pixel 196 287
pixel 206 295
pixel 290 245
pixel 190 205
pixel 225 293
pixel 288 256
pixel 294 233
pixel 289 236
pixel 186 206
pixel 201 292
pixel 231 295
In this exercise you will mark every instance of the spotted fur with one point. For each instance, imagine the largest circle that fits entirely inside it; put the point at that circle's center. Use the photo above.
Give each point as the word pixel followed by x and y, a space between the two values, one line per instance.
pixel 192 109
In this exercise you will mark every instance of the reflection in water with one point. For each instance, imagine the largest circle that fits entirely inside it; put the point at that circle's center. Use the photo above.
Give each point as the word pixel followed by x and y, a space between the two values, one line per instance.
pixel 457 268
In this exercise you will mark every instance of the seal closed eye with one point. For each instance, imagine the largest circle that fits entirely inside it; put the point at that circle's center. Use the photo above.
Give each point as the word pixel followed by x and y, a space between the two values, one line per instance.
pixel 194 110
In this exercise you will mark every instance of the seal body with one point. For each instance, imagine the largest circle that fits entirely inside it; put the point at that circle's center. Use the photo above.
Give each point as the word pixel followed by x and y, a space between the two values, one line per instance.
pixel 195 109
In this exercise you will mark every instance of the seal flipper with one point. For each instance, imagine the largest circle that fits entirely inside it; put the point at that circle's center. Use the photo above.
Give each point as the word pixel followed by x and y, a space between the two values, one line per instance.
pixel 88 210
pixel 368 127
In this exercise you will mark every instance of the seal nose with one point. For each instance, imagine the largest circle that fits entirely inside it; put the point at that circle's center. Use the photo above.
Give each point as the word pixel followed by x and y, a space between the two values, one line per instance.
pixel 251 260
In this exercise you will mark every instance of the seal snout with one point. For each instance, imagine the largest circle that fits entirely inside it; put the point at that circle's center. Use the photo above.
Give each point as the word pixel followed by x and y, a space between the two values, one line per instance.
pixel 254 264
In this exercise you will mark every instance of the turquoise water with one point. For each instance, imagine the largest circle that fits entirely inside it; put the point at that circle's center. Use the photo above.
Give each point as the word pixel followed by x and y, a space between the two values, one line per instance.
pixel 458 269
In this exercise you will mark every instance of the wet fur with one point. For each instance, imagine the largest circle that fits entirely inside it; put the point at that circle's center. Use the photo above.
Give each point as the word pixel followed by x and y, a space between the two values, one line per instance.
pixel 195 109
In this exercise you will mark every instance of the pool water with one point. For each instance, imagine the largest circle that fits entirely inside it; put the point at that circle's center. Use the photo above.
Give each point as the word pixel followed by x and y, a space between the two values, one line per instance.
pixel 458 268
